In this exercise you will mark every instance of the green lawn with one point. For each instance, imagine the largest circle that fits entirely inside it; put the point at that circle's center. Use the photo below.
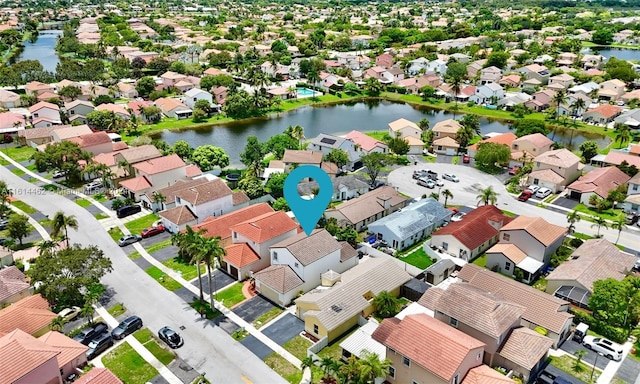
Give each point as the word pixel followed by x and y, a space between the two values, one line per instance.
pixel 164 280
pixel 266 317
pixel 135 255
pixel 567 363
pixel 158 246
pixel 84 203
pixel 418 258
pixel 608 214
pixel 508 213
pixel 333 350
pixel 378 135
pixel 19 154
pixel 115 233
pixel 582 236
pixel 150 342
pixel 128 365
pixel 17 171
pixel 100 216
pixel 298 346
pixel 137 225
pixel 189 272
pixel 117 309
pixel 288 371
pixel 206 307
pixel 541 284
pixel 26 208
pixel 231 296
pixel 481 261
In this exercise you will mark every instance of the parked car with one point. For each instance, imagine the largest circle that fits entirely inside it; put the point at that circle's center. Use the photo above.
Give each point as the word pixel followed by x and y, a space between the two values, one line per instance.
pixel 99 345
pixel 466 158
pixel 69 313
pixel 525 195
pixel 608 348
pixel 636 266
pixel 439 183
pixel 450 177
pixel 549 378
pixel 3 223
pixel 631 218
pixel 543 192
pixel 171 337
pixel 533 188
pixel 126 327
pixel 458 216
pixel 513 170
pixel 93 186
pixel 89 334
pixel 428 183
pixel 128 239
pixel 152 231
pixel 128 210
pixel 432 175
pixel 58 174
pixel 580 332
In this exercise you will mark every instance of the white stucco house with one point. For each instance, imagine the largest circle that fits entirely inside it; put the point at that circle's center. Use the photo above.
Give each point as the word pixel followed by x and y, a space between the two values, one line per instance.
pixel 194 94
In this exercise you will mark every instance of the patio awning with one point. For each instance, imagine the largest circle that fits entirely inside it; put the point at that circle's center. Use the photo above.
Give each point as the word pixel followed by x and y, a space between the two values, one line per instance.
pixel 530 265
pixel 575 295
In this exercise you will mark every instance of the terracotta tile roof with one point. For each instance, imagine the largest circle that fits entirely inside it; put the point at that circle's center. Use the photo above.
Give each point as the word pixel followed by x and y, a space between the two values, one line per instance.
pixel 205 192
pixel 447 126
pixel 136 184
pixel 309 249
pixel 559 158
pixel 595 259
pixel 266 226
pixel 240 255
pixel 178 215
pixel 91 139
pixel 43 104
pixel 168 104
pixel 367 143
pixel 525 347
pixel 30 314
pixel 329 167
pixel 302 157
pixel 143 152
pixel 474 230
pixel 511 251
pixel 98 376
pixel 220 226
pixel 160 164
pixel 347 252
pixel 239 197
pixel 505 138
pixel 67 132
pixel 12 281
pixel 169 192
pixel 547 175
pixel 539 228
pixel 537 139
pixel 279 277
pixel 119 146
pixel 476 308
pixel 397 125
pixel 8 96
pixel 193 170
pixel 369 204
pixel 21 353
pixel 541 308
pixel 446 142
pixel 600 181
pixel 432 344
pixel 606 110
pixel 118 109
pixel 69 349
pixel 483 374
pixel 617 158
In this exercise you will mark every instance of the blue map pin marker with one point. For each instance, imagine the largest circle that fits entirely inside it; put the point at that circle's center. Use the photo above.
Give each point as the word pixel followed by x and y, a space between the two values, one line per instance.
pixel 308 212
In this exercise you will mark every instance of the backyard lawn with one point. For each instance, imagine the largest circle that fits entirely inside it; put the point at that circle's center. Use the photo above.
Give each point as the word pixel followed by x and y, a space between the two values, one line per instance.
pixel 166 281
pixel 231 296
pixel 481 261
pixel 418 258
pixel 150 342
pixel 137 225
pixel 189 272
pixel 298 346
pixel 128 365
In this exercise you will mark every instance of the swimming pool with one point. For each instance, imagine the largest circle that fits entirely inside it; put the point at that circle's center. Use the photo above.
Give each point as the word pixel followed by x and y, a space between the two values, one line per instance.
pixel 306 92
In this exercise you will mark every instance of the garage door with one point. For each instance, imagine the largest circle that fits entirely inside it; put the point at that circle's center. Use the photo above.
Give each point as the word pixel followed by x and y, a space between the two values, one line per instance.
pixel 575 195
pixel 234 271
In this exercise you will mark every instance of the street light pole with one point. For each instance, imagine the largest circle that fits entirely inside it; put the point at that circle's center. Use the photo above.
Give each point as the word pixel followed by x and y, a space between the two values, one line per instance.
pixel 593 369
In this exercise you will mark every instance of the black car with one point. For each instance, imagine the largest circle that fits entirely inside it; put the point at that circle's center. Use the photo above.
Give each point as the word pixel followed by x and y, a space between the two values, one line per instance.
pixel 99 345
pixel 127 327
pixel 89 334
pixel 128 210
pixel 171 337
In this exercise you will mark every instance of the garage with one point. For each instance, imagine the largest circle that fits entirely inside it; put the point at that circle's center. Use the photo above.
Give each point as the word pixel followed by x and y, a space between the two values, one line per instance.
pixel 233 271
pixel 575 195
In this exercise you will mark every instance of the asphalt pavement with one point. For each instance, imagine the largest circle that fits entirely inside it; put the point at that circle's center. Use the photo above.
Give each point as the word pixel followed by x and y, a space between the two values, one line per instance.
pixel 207 348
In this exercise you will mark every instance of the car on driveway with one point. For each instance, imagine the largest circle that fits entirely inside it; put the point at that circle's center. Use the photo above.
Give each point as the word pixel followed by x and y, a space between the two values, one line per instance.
pixel 89 334
pixel 128 239
pixel 525 195
pixel 466 159
pixel 428 183
pixel 458 216
pixel 171 337
pixel 152 231
pixel 99 345
pixel 606 347
pixel 450 177
pixel 533 188
pixel 3 223
pixel 631 218
pixel 127 327
pixel 543 192
pixel 69 313
pixel 58 174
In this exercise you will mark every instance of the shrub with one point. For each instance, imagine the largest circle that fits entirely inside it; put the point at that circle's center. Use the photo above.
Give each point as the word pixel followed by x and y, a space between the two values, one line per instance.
pixel 19 265
pixel 541 330
pixel 616 334
pixel 575 243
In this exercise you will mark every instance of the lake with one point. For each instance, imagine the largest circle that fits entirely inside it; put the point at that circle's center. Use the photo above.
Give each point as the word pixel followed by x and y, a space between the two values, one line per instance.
pixel 43 50
pixel 619 53
pixel 337 119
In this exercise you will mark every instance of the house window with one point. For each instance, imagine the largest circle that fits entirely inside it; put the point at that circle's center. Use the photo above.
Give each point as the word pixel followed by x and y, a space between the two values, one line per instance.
pixel 507 266
pixel 445 246
pixel 296 265
pixel 537 163
pixel 439 147
pixel 406 361
pixel 235 235
pixel 392 372
pixel 506 236
pixel 515 146
pixel 453 322
pixel 275 255
pixel 72 112
pixel 635 187
pixel 456 379
pixel 315 328
pixel 35 115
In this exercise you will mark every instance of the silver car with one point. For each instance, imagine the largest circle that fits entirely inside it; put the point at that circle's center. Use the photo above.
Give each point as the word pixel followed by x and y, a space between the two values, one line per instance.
pixel 450 177
pixel 128 239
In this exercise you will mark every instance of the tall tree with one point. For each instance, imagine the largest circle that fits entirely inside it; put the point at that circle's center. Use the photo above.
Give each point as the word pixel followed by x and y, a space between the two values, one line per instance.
pixel 211 253
pixel 599 222
pixel 619 224
pixel 487 196
pixel 374 163
pixel 62 223
pixel 187 242
pixel 624 133
pixel 18 227
pixel 447 195
pixel 558 99
pixel 253 151
pixel 572 218
pixel 386 304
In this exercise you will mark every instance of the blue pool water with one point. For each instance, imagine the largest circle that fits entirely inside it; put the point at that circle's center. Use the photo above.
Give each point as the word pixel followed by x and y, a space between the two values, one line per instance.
pixel 304 92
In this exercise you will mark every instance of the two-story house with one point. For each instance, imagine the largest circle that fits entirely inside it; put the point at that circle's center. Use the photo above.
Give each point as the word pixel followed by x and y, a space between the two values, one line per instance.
pixel 530 146
pixel 611 90
pixel 416 344
pixel 504 139
pixel 555 169
pixel 489 93
pixel 36 88
pixel 366 144
pixel 566 58
pixel 537 72
pixel 526 244
pixel 563 81
pixel 632 202
pixel 15 286
pixel 31 314
pixel 169 78
pixel 95 142
pixel 44 114
pixel 446 128
pixel 194 95
pixel 541 100
pixel 345 187
pixel 325 143
pixel 470 237
pixel 384 60
pixel 153 174
pixel 298 262
pixel 490 75
pixel 599 182
pixel 78 110
pixel 251 240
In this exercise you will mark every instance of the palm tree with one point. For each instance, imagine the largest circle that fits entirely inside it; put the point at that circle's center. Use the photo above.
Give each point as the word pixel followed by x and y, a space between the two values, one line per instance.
pixel 424 124
pixel 211 252
pixel 62 222
pixel 46 246
pixel 447 195
pixel 386 304
pixel 159 198
pixel 87 312
pixel 624 133
pixel 187 243
pixel 619 224
pixel 435 196
pixel 307 362
pixel 5 193
pixel 293 91
pixel 578 105
pixel 329 368
pixel 58 323
pixel 599 222
pixel 296 132
pixel 577 368
pixel 124 165
pixel 558 99
pixel 488 196
pixel 456 86
pixel 370 367
pixel 572 217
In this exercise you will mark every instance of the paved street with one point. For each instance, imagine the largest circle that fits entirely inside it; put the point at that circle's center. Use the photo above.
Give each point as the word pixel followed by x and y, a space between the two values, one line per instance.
pixel 207 348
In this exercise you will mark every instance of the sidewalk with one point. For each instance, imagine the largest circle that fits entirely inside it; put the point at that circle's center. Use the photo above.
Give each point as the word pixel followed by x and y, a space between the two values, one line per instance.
pixel 169 376
pixel 38 227
pixel 610 370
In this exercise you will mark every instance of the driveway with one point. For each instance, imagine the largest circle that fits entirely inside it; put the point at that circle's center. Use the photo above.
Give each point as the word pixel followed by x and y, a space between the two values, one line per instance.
pixel 253 308
pixel 285 329
pixel 219 280
pixel 629 370
pixel 571 347
pixel 256 346
pixel 566 202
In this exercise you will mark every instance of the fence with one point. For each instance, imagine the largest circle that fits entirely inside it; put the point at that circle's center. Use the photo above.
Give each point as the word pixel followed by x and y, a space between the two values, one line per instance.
pixel 410 269
pixel 317 347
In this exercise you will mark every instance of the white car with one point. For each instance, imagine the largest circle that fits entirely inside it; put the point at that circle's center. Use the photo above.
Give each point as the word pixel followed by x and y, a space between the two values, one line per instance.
pixel 533 188
pixel 439 183
pixel 69 313
pixel 458 216
pixel 543 192
pixel 450 177
pixel 608 348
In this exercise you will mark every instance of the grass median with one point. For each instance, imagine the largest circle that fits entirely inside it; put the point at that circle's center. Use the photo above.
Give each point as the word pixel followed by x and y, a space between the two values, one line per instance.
pixel 149 341
pixel 165 280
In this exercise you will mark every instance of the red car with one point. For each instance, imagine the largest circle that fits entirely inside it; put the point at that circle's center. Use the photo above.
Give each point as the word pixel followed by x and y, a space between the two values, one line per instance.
pixel 513 170
pixel 152 231
pixel 466 159
pixel 525 195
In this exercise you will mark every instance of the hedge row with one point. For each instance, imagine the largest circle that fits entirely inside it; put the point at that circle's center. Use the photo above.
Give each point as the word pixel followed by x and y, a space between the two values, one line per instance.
pixel 612 333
